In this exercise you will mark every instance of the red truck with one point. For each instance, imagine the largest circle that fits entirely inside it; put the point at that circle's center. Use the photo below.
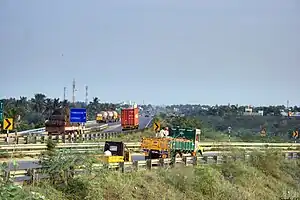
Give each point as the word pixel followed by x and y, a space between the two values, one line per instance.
pixel 130 118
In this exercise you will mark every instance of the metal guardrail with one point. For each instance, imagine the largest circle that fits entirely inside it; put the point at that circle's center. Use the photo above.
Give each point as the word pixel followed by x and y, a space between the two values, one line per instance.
pixel 41 130
pixel 33 175
pixel 36 149
pixel 34 138
pixel 92 133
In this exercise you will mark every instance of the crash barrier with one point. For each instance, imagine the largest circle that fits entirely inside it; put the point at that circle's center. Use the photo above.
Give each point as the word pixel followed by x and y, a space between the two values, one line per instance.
pixel 42 130
pixel 22 150
pixel 34 174
pixel 36 149
pixel 88 135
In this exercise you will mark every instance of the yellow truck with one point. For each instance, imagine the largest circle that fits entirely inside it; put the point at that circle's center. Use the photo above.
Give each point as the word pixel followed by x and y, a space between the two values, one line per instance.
pixel 180 142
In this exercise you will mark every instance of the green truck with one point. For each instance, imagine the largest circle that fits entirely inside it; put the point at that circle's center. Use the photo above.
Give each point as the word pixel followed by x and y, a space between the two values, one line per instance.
pixel 180 142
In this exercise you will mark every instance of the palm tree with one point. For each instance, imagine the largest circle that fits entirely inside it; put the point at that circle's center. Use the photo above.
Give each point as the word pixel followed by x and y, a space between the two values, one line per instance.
pixel 48 107
pixel 56 104
pixel 39 103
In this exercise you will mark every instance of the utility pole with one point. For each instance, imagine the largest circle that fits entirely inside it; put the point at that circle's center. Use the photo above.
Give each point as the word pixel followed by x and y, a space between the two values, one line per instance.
pixel 74 88
pixel 287 105
pixel 86 95
pixel 65 89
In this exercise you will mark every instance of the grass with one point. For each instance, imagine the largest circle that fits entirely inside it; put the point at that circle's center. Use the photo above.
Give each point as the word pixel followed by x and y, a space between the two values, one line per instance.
pixel 262 176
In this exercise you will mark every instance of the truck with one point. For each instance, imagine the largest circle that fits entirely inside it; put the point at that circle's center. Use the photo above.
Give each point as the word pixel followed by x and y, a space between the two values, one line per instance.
pixel 116 116
pixel 179 143
pixel 59 123
pixel 130 118
pixel 107 116
pixel 102 117
pixel 119 153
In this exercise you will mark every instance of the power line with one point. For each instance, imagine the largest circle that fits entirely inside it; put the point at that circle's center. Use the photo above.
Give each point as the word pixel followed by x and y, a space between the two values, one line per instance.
pixel 65 89
pixel 74 88
pixel 86 95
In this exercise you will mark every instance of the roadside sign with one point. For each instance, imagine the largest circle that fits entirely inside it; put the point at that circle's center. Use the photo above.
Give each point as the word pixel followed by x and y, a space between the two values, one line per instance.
pixel 156 126
pixel 295 134
pixel 78 115
pixel 8 124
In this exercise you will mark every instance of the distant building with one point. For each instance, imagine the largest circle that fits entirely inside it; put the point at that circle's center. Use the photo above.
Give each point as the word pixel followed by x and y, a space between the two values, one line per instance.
pixel 249 111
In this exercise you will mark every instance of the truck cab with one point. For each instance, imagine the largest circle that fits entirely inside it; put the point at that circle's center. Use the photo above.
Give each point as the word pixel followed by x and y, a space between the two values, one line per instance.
pixel 119 152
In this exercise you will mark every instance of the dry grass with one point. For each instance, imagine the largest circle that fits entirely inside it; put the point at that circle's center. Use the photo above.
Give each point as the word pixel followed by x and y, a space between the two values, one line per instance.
pixel 263 176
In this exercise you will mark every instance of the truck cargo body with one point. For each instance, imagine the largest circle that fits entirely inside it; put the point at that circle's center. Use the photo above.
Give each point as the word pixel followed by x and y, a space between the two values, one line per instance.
pixel 59 123
pixel 102 117
pixel 182 141
pixel 130 118
pixel 107 116
pixel 162 147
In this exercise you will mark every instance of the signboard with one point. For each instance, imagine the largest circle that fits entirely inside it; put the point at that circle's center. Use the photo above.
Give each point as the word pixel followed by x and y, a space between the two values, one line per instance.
pixel 295 134
pixel 78 115
pixel 156 126
pixel 8 124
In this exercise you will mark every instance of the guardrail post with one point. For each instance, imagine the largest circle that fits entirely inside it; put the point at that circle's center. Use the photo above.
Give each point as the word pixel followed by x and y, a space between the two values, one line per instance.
pixel 136 165
pixel 6 175
pixel 216 159
pixel 122 167
pixel 184 161
pixel 7 139
pixel 42 139
pixel 76 137
pixel 57 138
pixel 149 164
pixel 63 138
pixel 26 139
pixel 90 136
pixel 161 162
pixel 205 158
pixel 195 160
pixel 16 138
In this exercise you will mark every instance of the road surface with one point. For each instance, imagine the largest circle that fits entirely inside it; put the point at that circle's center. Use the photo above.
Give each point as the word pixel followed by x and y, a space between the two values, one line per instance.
pixel 116 127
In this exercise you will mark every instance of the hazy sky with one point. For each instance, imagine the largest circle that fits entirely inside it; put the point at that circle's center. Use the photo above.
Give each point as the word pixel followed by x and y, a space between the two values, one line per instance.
pixel 162 52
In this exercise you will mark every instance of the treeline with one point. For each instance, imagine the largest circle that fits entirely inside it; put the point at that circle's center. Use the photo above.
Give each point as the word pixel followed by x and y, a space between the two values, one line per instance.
pixel 222 110
pixel 243 128
pixel 31 113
